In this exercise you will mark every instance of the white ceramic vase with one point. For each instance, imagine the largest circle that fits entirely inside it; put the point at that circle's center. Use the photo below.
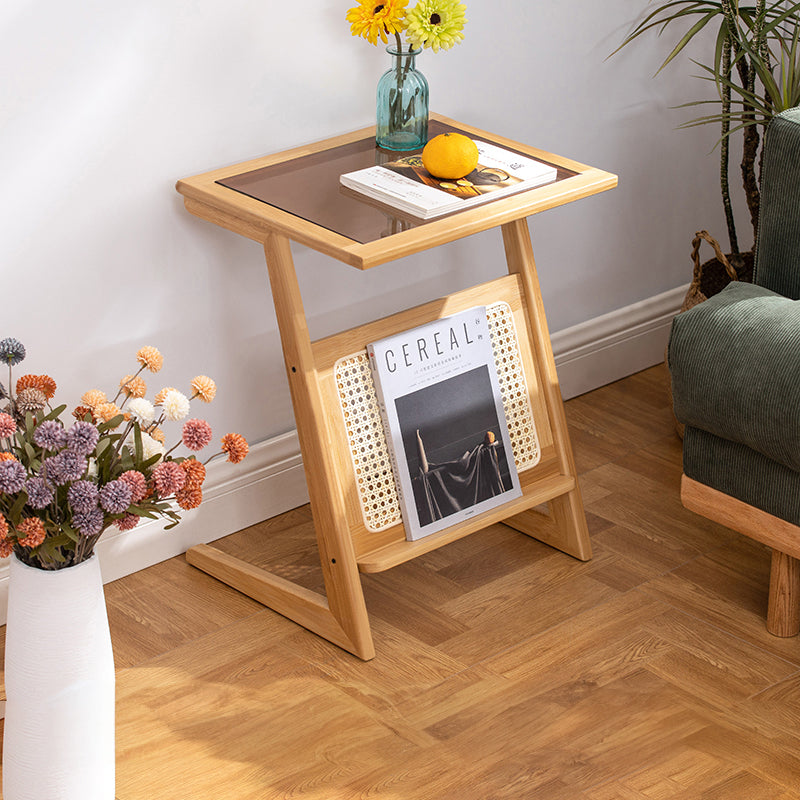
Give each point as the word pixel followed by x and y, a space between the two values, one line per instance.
pixel 58 742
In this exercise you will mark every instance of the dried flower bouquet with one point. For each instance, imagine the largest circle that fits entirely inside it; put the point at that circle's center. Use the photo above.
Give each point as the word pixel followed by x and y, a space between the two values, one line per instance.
pixel 62 487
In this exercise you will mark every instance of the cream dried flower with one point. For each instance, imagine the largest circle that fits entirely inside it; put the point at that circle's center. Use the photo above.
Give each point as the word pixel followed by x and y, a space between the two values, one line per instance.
pixel 150 446
pixel 158 400
pixel 175 405
pixel 142 409
pixel 32 400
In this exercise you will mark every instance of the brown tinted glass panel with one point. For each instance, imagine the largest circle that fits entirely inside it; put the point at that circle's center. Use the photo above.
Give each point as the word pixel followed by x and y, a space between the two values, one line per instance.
pixel 309 188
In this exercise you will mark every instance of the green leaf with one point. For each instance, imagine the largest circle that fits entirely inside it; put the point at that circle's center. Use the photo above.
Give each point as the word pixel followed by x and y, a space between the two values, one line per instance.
pixel 112 424
pixel 50 549
pixel 15 513
pixel 55 413
pixel 687 37
pixel 102 445
pixel 70 533
pixel 30 453
pixel 137 443
pixel 149 462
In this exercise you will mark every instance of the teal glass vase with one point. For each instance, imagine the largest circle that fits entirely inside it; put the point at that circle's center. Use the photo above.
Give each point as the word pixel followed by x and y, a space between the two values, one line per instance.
pixel 402 103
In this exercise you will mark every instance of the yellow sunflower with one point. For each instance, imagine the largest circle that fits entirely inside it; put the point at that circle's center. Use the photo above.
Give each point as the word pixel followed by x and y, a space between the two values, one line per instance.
pixel 373 18
pixel 436 24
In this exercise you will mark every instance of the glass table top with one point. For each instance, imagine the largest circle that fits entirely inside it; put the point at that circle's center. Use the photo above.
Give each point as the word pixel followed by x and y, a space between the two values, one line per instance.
pixel 308 187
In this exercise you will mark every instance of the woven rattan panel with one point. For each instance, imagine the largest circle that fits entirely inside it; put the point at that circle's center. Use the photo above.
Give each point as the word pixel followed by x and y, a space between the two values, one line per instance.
pixel 377 493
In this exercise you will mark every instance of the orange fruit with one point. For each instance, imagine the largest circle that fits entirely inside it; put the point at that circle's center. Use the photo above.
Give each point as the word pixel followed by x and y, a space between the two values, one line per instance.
pixel 450 156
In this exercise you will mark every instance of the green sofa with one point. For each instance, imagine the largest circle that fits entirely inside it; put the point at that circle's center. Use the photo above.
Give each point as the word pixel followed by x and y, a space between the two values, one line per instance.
pixel 735 367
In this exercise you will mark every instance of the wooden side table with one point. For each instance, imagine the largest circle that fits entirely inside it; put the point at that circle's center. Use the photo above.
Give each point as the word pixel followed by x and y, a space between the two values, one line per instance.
pixel 296 196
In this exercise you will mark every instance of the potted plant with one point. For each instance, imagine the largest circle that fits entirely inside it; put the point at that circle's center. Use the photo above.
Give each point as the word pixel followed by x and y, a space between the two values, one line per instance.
pixel 755 67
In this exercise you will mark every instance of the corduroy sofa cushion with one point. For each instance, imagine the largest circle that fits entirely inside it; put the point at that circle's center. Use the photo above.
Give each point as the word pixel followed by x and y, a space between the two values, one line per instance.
pixel 735 366
pixel 741 472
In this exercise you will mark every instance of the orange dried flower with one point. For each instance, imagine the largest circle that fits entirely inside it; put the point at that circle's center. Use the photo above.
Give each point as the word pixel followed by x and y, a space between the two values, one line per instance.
pixel 158 435
pixel 44 383
pixel 150 357
pixel 159 398
pixel 107 411
pixel 33 532
pixel 195 473
pixel 81 411
pixel 235 445
pixel 133 386
pixel 6 548
pixel 7 457
pixel 3 528
pixel 204 388
pixel 94 398
pixel 189 498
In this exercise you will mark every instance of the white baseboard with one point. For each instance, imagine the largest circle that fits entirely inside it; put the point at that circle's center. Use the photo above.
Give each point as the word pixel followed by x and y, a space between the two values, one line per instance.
pixel 271 480
pixel 607 348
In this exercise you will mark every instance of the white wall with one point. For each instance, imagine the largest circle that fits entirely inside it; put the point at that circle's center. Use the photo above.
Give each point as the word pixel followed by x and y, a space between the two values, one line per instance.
pixel 104 106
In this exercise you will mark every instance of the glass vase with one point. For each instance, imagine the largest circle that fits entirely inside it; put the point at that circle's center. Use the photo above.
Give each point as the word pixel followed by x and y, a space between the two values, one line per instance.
pixel 402 103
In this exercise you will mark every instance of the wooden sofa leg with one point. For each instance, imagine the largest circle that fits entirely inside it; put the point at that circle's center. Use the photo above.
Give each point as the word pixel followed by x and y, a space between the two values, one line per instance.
pixel 783 613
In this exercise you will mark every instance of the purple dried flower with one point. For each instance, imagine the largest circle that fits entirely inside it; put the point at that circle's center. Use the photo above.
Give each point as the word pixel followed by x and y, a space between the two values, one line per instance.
pixel 115 497
pixel 75 465
pixel 12 477
pixel 54 470
pixel 82 438
pixel 40 494
pixel 50 435
pixel 88 522
pixel 65 467
pixel 82 496
pixel 12 351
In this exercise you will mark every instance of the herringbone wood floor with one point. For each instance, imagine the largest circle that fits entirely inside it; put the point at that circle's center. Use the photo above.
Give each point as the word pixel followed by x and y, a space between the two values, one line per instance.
pixel 505 670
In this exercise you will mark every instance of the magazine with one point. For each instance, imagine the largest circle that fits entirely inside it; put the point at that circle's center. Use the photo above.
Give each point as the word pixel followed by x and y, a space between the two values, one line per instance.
pixel 406 184
pixel 447 434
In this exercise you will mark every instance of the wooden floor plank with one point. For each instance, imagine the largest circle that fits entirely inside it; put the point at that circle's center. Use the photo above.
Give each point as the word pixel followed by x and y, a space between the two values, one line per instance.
pixel 505 669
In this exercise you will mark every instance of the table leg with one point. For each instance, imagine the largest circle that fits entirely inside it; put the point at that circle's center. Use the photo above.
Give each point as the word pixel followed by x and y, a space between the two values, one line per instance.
pixel 571 534
pixel 341 617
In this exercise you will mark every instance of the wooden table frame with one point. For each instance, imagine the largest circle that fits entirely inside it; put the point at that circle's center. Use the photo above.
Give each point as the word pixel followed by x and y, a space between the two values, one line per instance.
pixel 341 615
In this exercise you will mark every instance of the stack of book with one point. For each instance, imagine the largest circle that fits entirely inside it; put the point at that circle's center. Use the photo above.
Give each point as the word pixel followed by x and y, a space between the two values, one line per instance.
pixel 406 185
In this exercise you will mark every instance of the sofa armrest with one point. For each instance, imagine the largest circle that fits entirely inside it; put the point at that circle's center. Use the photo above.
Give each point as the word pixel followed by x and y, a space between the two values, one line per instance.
pixel 777 263
pixel 735 367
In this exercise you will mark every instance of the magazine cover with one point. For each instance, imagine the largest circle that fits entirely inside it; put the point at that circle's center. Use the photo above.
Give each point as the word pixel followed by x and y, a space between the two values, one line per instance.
pixel 407 185
pixel 445 426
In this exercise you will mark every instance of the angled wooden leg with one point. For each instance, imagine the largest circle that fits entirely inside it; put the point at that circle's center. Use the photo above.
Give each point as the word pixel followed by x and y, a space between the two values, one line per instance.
pixel 572 534
pixel 342 616
pixel 783 612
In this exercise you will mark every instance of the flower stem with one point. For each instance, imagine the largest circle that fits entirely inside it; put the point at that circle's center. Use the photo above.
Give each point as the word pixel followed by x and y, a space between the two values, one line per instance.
pixel 122 387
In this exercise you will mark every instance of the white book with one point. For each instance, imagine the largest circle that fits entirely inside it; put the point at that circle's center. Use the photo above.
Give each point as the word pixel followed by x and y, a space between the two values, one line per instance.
pixel 442 411
pixel 405 184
